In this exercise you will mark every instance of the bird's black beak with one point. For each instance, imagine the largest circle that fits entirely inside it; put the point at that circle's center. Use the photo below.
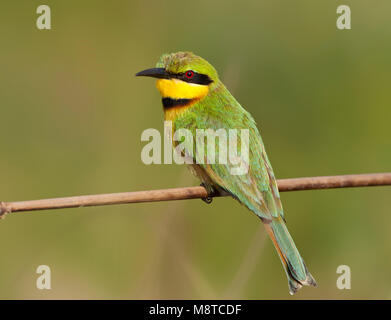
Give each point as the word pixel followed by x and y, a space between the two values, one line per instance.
pixel 160 73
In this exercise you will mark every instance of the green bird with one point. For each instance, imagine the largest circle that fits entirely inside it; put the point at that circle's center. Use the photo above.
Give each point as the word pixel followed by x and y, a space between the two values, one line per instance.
pixel 194 98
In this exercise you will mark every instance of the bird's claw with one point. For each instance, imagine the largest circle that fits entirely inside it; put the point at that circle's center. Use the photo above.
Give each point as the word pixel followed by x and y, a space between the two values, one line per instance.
pixel 210 192
pixel 207 200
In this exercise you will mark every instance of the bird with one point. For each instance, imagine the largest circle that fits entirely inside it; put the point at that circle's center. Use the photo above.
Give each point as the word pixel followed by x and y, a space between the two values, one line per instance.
pixel 194 98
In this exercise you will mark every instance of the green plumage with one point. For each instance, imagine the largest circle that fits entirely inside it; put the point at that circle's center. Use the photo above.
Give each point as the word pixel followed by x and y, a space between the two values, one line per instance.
pixel 257 189
pixel 219 109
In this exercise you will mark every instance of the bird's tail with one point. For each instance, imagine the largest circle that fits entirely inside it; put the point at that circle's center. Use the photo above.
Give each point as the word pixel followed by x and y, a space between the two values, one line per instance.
pixel 293 263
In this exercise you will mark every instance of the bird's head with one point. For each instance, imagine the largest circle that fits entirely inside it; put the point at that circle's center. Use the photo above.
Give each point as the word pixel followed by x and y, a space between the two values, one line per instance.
pixel 182 76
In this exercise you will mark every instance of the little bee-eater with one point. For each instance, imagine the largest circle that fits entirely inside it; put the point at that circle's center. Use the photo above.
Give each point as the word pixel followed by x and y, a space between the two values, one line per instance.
pixel 194 98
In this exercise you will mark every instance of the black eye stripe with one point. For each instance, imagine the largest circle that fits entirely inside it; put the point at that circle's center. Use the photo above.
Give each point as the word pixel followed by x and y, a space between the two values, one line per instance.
pixel 197 78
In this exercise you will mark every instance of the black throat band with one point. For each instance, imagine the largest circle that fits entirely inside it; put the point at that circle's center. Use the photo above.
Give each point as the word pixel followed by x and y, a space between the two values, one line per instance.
pixel 171 103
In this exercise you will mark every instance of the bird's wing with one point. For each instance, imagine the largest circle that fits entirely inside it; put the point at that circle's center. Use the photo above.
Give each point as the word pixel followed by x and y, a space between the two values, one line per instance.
pixel 257 189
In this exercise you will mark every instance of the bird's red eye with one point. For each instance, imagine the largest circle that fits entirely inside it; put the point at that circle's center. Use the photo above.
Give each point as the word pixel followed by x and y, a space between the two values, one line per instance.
pixel 189 74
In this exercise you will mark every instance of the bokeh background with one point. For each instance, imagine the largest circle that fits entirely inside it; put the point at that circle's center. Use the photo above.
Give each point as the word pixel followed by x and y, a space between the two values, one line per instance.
pixel 71 118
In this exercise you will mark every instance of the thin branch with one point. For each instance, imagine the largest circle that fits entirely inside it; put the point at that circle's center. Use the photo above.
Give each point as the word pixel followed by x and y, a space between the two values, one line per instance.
pixel 295 184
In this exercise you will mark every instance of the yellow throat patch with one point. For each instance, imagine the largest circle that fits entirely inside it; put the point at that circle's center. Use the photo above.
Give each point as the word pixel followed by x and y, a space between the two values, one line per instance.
pixel 178 89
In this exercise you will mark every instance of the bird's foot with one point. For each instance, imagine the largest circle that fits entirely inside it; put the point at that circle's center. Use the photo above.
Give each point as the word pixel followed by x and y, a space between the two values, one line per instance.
pixel 210 191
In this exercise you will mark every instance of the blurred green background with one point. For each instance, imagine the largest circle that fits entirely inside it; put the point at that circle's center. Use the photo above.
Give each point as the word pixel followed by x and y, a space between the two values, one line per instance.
pixel 71 118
